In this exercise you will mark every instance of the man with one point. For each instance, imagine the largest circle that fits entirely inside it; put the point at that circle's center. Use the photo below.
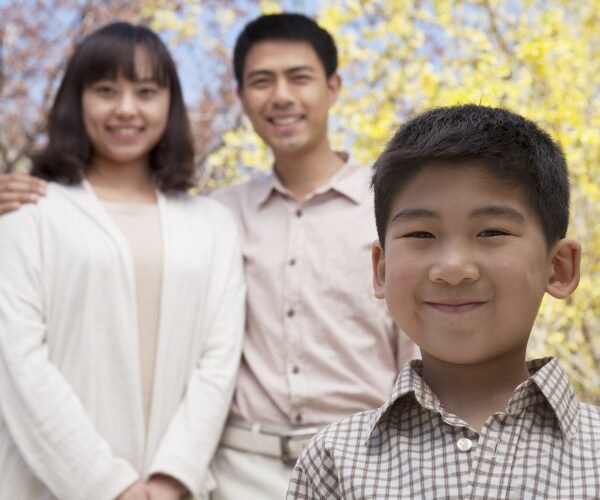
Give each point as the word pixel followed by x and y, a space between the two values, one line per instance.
pixel 318 345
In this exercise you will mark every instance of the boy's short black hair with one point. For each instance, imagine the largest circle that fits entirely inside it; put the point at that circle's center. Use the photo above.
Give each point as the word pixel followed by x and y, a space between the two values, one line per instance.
pixel 511 148
pixel 288 27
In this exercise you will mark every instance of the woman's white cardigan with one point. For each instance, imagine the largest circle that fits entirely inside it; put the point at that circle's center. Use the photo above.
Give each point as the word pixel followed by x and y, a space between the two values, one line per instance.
pixel 71 411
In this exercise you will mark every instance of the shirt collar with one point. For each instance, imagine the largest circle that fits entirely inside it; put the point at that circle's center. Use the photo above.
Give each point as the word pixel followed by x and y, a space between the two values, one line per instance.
pixel 548 381
pixel 350 181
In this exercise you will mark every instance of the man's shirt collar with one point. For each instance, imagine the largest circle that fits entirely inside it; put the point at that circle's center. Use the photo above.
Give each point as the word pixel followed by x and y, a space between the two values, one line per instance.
pixel 348 181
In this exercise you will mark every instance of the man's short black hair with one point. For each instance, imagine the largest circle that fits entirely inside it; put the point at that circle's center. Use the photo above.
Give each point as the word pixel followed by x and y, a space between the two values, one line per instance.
pixel 288 27
pixel 511 148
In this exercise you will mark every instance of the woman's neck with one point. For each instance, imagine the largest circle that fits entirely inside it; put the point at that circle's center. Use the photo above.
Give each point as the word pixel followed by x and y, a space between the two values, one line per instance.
pixel 122 182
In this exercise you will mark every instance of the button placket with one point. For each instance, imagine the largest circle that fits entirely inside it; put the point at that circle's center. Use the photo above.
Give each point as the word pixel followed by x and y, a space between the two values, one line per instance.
pixel 292 308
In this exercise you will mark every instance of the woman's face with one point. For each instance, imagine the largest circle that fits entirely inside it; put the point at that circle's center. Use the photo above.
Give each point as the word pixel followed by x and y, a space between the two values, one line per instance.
pixel 125 119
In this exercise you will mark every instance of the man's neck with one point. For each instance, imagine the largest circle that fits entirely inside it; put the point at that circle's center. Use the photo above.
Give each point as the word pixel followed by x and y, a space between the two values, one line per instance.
pixel 475 392
pixel 302 174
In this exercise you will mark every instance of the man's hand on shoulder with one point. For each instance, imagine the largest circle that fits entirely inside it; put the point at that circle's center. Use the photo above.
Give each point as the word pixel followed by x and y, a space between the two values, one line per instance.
pixel 17 188
pixel 137 491
pixel 163 487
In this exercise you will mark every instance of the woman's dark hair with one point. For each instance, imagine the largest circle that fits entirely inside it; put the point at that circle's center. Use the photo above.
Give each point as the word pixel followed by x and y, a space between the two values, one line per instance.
pixel 107 53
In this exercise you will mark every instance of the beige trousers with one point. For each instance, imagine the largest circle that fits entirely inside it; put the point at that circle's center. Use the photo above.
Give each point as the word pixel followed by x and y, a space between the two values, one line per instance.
pixel 242 475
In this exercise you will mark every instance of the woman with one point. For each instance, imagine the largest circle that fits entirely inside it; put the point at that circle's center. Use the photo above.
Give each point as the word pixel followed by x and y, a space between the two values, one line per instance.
pixel 121 298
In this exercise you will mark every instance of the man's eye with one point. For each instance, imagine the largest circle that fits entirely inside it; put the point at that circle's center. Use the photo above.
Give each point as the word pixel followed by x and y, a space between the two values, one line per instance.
pixel 301 78
pixel 419 234
pixel 260 83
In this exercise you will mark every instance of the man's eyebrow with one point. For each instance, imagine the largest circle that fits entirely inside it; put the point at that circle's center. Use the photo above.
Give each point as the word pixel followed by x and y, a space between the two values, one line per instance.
pixel 259 72
pixel 303 67
pixel 267 72
pixel 499 211
pixel 408 214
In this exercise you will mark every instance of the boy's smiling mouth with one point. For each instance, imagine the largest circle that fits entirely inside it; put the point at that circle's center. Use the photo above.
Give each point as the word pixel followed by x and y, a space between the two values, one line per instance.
pixel 455 306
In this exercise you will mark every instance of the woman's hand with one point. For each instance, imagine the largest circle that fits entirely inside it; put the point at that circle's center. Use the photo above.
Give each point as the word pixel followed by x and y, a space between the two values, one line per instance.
pixel 163 487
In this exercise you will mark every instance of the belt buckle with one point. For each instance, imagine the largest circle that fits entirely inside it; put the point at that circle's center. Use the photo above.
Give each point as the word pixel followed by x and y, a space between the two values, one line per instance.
pixel 286 457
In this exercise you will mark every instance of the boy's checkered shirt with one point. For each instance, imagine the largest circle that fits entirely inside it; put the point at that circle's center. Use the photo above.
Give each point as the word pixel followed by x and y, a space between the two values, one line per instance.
pixel 546 445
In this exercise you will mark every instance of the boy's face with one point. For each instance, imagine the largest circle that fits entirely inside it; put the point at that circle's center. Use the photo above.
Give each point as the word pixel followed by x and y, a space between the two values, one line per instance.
pixel 287 95
pixel 466 265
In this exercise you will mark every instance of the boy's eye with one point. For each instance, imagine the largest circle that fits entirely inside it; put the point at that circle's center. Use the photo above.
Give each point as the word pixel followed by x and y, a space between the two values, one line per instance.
pixel 488 233
pixel 419 234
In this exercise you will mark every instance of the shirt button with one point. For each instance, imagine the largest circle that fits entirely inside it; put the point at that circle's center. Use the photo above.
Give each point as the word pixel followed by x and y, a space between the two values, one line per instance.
pixel 290 313
pixel 296 369
pixel 298 418
pixel 298 213
pixel 464 444
pixel 292 262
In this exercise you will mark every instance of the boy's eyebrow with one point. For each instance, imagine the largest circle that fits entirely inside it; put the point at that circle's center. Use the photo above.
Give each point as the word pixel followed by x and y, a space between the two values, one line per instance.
pixel 408 214
pixel 413 213
pixel 499 211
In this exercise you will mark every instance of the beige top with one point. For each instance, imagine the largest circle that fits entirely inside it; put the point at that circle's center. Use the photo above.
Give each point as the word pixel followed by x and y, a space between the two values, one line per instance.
pixel 318 345
pixel 140 225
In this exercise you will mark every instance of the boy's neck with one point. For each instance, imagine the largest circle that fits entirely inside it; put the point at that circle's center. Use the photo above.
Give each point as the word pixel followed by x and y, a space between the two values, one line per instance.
pixel 303 173
pixel 474 392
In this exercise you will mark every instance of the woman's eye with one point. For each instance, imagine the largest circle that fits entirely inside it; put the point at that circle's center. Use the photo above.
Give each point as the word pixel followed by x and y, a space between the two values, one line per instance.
pixel 147 91
pixel 105 90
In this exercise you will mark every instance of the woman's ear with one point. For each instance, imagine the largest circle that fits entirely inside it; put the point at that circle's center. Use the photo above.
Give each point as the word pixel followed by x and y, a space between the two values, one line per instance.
pixel 564 272
pixel 378 259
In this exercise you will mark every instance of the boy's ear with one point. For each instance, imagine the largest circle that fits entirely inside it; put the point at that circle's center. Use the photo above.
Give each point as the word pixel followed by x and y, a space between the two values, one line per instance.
pixel 564 273
pixel 378 259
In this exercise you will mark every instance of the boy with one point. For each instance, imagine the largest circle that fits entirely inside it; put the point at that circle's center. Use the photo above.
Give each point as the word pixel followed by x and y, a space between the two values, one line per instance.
pixel 471 205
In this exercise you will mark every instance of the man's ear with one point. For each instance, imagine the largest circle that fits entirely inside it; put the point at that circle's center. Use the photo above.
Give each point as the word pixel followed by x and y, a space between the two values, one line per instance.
pixel 564 272
pixel 334 84
pixel 378 259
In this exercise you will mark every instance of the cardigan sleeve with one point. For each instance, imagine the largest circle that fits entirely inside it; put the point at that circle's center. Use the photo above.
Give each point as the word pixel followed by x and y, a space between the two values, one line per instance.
pixel 43 415
pixel 193 434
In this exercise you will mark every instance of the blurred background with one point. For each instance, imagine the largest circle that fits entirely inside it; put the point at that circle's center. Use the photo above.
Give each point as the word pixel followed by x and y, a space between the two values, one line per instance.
pixel 540 58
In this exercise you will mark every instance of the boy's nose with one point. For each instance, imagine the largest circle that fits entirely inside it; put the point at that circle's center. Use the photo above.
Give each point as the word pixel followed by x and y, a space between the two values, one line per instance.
pixel 454 266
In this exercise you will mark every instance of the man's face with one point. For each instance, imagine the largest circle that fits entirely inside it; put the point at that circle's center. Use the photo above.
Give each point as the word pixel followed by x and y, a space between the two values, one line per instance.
pixel 287 96
pixel 466 265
